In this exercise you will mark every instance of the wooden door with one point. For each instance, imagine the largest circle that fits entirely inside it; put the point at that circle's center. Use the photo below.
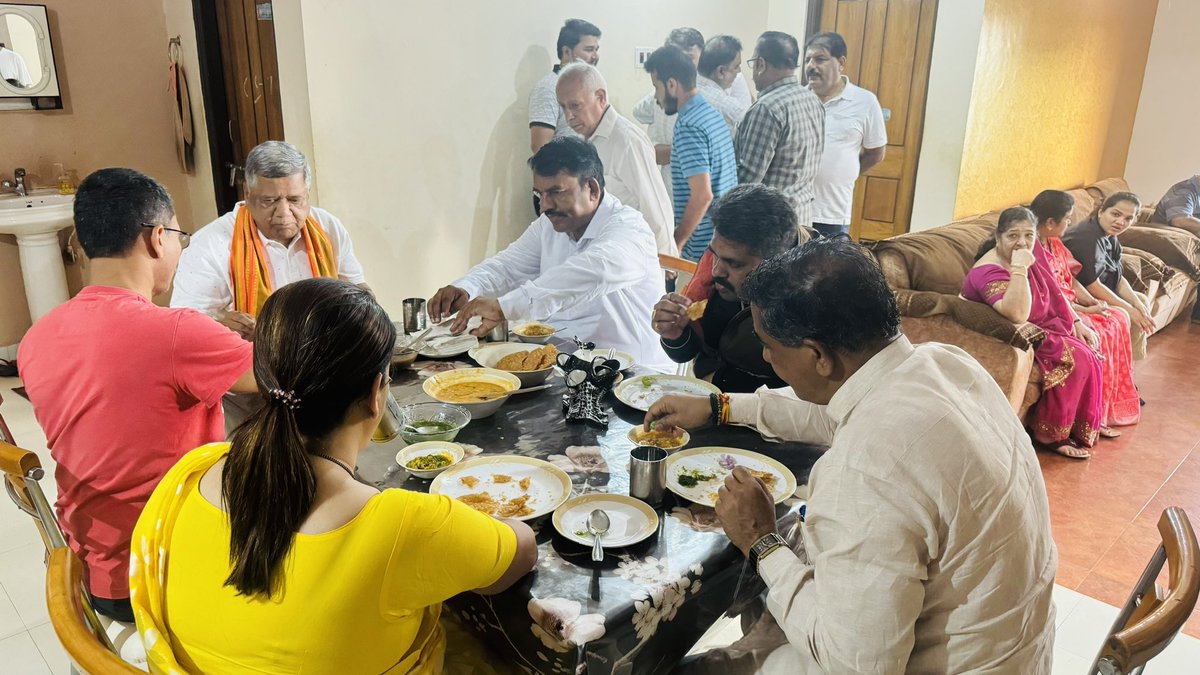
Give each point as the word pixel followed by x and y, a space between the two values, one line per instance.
pixel 889 46
pixel 246 32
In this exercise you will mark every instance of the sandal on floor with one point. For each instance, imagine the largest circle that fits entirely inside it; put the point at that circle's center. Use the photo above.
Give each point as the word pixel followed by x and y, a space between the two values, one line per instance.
pixel 1071 451
pixel 1108 432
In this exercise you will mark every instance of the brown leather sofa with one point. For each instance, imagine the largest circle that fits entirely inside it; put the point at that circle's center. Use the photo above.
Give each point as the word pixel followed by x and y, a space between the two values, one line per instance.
pixel 926 269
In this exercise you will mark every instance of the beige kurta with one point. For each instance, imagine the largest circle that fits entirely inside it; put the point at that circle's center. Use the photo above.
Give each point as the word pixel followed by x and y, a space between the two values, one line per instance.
pixel 926 547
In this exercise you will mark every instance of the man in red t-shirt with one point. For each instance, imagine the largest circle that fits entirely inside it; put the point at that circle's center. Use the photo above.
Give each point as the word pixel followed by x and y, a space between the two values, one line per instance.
pixel 123 388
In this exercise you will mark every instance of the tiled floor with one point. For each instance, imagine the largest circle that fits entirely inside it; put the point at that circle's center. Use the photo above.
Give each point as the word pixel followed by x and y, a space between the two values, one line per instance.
pixel 1103 510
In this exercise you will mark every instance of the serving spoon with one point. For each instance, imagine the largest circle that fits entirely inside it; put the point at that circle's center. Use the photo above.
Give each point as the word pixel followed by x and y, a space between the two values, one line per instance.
pixel 597 524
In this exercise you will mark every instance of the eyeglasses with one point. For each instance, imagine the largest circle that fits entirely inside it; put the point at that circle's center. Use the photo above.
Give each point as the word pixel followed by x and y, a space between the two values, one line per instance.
pixel 184 237
pixel 754 61
pixel 297 201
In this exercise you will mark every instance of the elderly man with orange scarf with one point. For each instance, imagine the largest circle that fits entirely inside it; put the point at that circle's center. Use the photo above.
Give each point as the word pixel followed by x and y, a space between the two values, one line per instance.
pixel 269 240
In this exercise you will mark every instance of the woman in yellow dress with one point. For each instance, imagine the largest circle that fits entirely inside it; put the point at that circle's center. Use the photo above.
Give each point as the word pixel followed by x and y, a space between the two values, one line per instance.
pixel 267 554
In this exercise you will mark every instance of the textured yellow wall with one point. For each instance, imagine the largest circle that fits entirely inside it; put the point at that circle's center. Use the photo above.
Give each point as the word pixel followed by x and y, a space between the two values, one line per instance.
pixel 1055 95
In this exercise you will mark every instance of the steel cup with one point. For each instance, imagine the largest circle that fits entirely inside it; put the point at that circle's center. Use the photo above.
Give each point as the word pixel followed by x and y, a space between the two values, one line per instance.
pixel 415 318
pixel 648 473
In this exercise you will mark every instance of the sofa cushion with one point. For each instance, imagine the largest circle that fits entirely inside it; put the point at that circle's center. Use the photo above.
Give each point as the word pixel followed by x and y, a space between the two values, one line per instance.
pixel 937 260
pixel 1178 248
pixel 1101 189
pixel 974 316
pixel 1085 203
pixel 1142 270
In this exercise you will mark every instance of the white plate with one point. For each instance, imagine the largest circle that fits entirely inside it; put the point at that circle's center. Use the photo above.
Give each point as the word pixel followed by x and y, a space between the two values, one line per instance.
pixel 708 460
pixel 488 355
pixel 549 486
pixel 641 392
pixel 629 520
pixel 624 359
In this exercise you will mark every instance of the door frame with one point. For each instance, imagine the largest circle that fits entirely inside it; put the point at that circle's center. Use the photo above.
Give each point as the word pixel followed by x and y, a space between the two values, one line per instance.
pixel 216 103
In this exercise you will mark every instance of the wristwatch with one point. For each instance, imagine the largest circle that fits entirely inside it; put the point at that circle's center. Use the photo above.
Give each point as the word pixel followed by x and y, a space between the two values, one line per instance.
pixel 765 546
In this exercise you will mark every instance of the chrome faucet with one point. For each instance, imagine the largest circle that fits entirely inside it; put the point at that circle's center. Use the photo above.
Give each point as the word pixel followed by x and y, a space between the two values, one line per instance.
pixel 17 184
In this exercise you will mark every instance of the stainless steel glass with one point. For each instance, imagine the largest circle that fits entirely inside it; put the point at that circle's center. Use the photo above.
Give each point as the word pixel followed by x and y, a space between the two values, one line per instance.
pixel 415 318
pixel 648 473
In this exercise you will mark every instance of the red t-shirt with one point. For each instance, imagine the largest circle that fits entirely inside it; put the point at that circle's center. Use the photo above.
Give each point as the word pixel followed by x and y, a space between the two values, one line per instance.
pixel 123 389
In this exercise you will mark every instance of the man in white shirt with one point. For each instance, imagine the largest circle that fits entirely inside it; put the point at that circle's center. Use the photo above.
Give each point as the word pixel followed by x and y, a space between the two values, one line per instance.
pixel 13 68
pixel 578 40
pixel 855 133
pixel 926 542
pixel 719 66
pixel 269 240
pixel 630 173
pixel 588 265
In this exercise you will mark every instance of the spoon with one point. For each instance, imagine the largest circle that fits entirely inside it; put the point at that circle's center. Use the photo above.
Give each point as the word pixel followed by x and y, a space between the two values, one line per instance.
pixel 597 524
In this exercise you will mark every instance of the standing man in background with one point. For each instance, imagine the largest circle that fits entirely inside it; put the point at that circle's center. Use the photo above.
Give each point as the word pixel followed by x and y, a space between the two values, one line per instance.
pixel 630 173
pixel 659 125
pixel 779 142
pixel 578 40
pixel 702 161
pixel 855 133
pixel 720 65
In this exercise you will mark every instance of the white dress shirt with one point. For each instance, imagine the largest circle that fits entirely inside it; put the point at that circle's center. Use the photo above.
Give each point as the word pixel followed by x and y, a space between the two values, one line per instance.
pixel 926 546
pixel 853 123
pixel 732 109
pixel 601 288
pixel 202 282
pixel 12 67
pixel 660 127
pixel 631 175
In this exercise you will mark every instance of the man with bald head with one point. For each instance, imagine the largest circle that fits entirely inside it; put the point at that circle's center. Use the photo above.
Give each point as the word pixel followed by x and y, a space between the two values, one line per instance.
pixel 630 172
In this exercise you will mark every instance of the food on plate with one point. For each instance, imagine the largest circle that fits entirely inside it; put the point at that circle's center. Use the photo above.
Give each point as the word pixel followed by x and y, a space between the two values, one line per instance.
pixel 696 310
pixel 769 479
pixel 536 359
pixel 535 330
pixel 469 481
pixel 517 507
pixel 666 440
pixel 693 477
pixel 647 381
pixel 524 483
pixel 501 479
pixel 471 392
pixel 430 462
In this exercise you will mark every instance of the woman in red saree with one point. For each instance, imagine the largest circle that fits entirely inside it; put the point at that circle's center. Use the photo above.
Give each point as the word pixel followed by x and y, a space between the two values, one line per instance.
pixel 1013 276
pixel 1111 324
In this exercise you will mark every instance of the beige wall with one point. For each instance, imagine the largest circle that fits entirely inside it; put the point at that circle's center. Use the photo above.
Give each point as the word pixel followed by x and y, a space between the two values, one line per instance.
pixel 419 116
pixel 1054 99
pixel 112 66
pixel 1166 144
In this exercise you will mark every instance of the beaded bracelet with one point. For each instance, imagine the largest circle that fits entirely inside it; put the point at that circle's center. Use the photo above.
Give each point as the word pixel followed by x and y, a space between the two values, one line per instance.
pixel 715 401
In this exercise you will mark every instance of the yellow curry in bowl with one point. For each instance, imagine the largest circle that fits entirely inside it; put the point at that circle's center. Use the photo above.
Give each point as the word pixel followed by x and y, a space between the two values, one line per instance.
pixel 472 391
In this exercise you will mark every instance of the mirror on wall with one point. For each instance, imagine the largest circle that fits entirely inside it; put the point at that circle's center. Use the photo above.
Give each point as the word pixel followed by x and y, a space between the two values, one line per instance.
pixel 27 69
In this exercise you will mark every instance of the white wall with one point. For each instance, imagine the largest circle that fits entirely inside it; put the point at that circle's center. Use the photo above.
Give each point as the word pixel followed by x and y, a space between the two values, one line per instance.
pixel 951 77
pixel 1165 147
pixel 419 116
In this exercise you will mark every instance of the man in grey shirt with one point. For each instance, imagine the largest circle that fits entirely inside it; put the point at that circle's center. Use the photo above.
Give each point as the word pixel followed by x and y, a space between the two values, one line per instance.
pixel 1180 207
pixel 578 40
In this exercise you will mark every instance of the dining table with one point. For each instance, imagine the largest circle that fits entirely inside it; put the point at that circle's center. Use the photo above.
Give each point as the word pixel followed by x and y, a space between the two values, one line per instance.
pixel 643 607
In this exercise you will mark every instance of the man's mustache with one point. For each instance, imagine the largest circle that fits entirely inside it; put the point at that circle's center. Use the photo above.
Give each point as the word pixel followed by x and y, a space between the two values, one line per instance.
pixel 718 281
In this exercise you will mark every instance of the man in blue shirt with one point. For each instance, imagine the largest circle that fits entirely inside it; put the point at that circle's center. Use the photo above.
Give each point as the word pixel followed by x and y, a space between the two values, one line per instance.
pixel 703 167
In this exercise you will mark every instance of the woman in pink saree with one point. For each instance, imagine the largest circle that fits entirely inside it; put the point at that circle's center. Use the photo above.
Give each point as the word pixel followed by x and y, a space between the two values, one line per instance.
pixel 1111 324
pixel 1013 276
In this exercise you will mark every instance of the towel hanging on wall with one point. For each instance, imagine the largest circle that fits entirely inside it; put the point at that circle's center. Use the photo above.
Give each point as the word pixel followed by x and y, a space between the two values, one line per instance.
pixel 181 106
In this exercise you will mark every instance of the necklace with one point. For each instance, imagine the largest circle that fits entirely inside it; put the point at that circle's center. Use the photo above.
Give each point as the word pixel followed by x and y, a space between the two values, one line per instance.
pixel 338 462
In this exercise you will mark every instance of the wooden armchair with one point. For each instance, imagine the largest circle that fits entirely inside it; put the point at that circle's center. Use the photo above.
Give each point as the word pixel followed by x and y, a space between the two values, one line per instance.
pixel 5 435
pixel 89 650
pixel 1150 619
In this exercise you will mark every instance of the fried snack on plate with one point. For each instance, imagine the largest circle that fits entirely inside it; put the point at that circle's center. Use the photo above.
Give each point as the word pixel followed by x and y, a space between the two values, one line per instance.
pixel 696 310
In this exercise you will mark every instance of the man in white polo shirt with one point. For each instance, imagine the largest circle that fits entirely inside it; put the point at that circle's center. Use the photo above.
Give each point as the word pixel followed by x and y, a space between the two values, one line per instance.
pixel 630 173
pixel 578 40
pixel 855 135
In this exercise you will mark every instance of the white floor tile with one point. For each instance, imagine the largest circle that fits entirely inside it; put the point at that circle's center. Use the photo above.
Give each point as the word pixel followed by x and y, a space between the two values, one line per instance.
pixel 23 576
pixel 20 655
pixel 1066 663
pixel 1065 600
pixel 1181 656
pixel 51 649
pixel 1084 629
pixel 10 620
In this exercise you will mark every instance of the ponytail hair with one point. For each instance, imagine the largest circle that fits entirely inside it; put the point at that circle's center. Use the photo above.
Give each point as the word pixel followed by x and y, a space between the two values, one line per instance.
pixel 319 346
pixel 1008 218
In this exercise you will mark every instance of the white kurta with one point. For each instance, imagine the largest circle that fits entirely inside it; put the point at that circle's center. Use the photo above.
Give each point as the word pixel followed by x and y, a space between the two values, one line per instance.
pixel 202 282
pixel 601 288
pixel 926 545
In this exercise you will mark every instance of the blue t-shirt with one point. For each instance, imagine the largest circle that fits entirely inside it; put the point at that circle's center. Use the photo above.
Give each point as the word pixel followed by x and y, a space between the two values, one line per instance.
pixel 701 145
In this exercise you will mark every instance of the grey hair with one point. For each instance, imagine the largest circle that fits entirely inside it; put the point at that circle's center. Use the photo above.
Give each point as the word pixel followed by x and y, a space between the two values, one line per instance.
pixel 586 74
pixel 276 159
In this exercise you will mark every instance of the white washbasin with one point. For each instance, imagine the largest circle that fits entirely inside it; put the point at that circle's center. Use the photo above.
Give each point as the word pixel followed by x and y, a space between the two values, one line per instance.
pixel 42 211
pixel 35 219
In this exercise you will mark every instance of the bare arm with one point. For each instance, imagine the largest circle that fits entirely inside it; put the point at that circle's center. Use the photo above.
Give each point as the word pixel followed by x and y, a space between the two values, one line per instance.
pixel 539 136
pixel 246 384
pixel 523 562
pixel 697 206
pixel 662 154
pixel 1188 223
pixel 1017 301
pixel 870 158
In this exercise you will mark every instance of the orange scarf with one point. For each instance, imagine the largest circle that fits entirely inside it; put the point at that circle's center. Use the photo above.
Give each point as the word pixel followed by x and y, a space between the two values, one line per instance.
pixel 248 271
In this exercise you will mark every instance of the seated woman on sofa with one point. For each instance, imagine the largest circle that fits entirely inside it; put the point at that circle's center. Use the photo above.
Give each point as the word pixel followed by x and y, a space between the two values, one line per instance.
pixel 1095 245
pixel 1111 324
pixel 267 554
pixel 1012 275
